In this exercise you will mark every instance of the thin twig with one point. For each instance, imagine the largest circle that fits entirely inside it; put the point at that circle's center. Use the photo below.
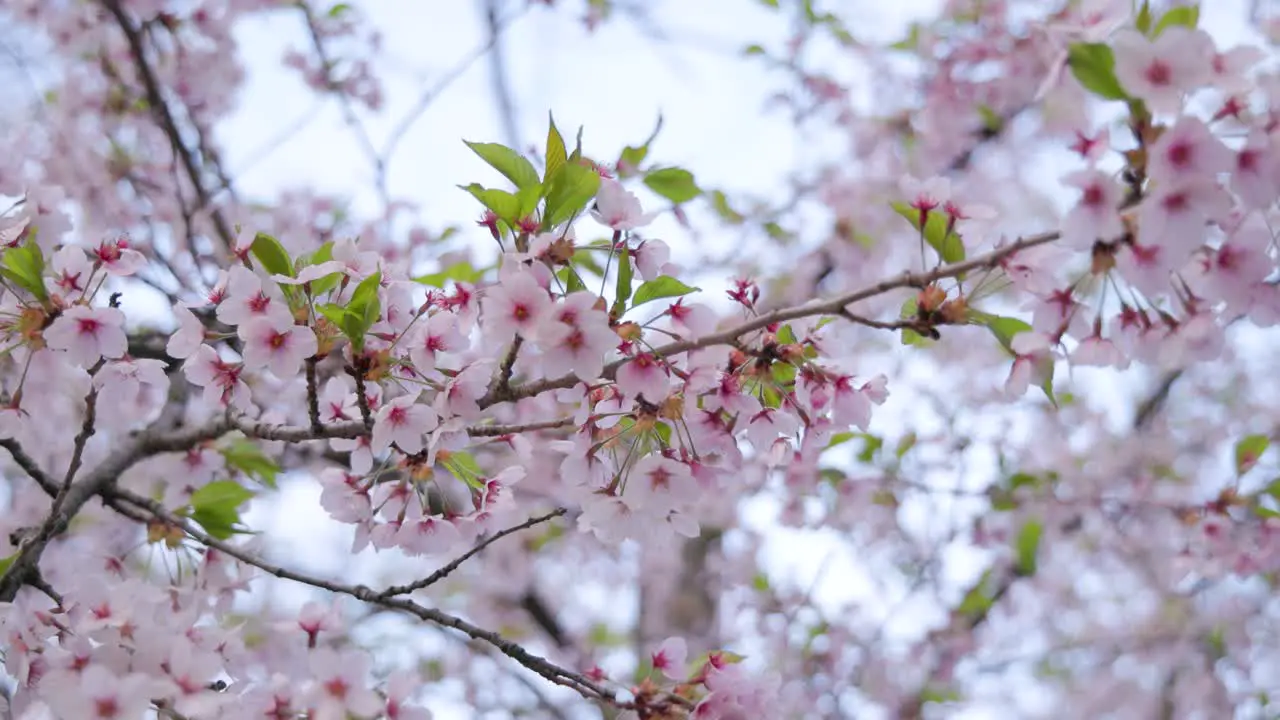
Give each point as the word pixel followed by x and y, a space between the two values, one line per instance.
pixel 829 307
pixel 444 572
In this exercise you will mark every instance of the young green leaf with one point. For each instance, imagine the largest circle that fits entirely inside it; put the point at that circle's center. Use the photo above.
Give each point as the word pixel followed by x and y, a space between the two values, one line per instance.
pixel 948 245
pixel 1027 547
pixel 271 255
pixel 24 266
pixel 674 184
pixel 457 272
pixel 510 163
pixel 1143 21
pixel 503 204
pixel 1003 328
pixel 216 507
pixel 248 458
pixel 660 287
pixel 1187 16
pixel 1249 451
pixel 557 156
pixel 571 189
pixel 1094 65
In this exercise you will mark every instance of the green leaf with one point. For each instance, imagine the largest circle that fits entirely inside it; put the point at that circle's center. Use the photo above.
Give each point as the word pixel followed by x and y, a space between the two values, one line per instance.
pixel 905 444
pixel 557 156
pixel 720 202
pixel 1094 65
pixel 871 446
pixel 571 189
pixel 1249 450
pixel 1027 547
pixel 503 204
pixel 463 466
pixel 622 288
pixel 674 184
pixel 457 272
pixel 24 266
pixel 1187 16
pixel 979 599
pixel 333 312
pixel 840 438
pixel 1005 329
pixel 364 301
pixel 910 308
pixel 216 507
pixel 1143 21
pixel 6 562
pixel 586 260
pixel 510 163
pixel 947 244
pixel 339 10
pixel 248 458
pixel 754 49
pixel 660 287
pixel 271 255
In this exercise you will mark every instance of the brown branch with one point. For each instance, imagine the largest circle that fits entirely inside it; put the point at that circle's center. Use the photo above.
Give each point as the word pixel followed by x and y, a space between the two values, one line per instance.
pixel 164 115
pixel 543 667
pixel 834 306
pixel 313 397
pixel 444 572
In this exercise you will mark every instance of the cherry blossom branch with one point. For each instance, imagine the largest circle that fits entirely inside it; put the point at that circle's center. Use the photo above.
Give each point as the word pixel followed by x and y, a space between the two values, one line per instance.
pixel 444 572
pixel 835 306
pixel 543 667
pixel 313 396
pixel 86 430
pixel 164 115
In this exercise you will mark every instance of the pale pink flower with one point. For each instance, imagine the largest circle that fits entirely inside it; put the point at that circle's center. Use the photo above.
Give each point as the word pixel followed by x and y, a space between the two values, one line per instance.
pixel 428 535
pixel 575 338
pixel 132 384
pixel 1096 216
pixel 1162 71
pixel 405 422
pixel 100 694
pixel 88 334
pixel 517 304
pixel 671 658
pixel 652 258
pixel 692 321
pixel 1033 362
pixel 401 686
pixel 659 485
pixel 439 334
pixel 618 208
pixel 1174 215
pixel 311 273
pixel 189 335
pixel 1188 151
pixel 1255 175
pixel 925 195
pixel 71 272
pixel 117 258
pixel 277 345
pixel 339 685
pixel 644 376
pixel 248 298
pixel 315 618
pixel 220 379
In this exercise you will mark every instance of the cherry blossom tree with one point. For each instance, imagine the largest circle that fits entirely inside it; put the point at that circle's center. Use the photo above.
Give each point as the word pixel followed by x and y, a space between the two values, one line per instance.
pixel 1021 418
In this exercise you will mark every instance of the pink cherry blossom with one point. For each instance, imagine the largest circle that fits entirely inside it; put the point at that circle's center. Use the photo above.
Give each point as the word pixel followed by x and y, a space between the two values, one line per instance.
pixel 339 685
pixel 88 334
pixel 248 297
pixel 575 338
pixel 517 305
pixel 644 376
pixel 1096 216
pixel 670 658
pixel 1163 71
pixel 618 208
pixel 278 346
pixel 405 422
pixel 190 334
